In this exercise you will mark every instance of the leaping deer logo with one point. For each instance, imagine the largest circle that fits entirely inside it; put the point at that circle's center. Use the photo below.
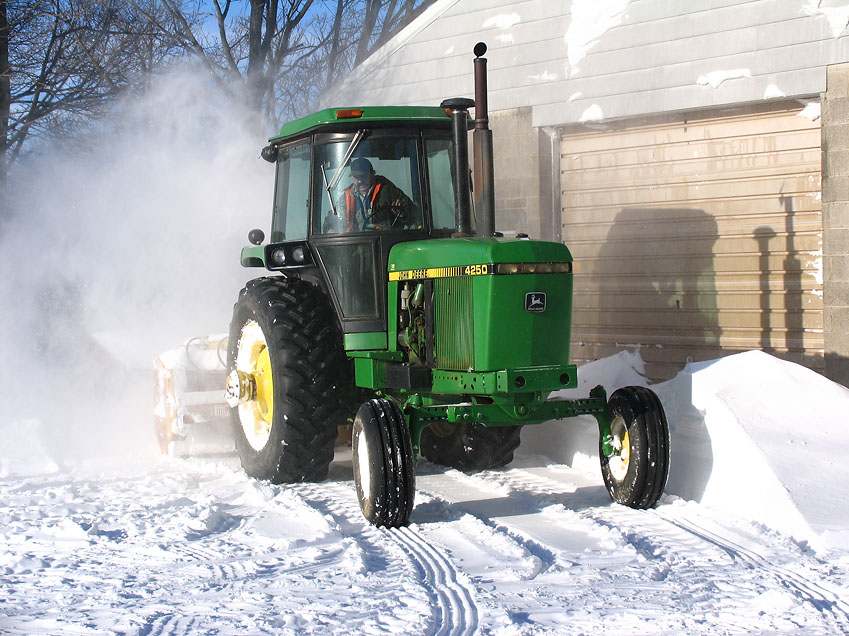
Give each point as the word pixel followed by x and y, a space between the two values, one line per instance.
pixel 535 301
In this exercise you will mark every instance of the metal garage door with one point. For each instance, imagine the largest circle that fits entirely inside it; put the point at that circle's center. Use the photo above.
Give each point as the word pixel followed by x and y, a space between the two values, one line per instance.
pixel 696 238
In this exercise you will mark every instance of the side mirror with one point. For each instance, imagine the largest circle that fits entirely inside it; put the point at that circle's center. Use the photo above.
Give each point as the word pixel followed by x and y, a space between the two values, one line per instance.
pixel 256 237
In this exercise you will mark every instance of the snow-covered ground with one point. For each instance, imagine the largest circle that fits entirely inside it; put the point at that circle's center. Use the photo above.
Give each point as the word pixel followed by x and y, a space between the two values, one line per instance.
pixel 752 536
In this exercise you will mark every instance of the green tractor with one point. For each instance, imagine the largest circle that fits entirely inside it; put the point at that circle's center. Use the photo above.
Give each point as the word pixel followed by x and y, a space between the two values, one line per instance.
pixel 391 296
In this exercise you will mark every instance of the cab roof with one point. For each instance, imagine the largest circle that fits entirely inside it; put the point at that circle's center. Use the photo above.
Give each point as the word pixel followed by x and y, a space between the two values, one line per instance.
pixel 371 115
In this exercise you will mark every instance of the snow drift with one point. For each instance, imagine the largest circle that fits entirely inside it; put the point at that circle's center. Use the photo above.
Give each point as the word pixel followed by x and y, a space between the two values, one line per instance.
pixel 751 434
pixel 755 435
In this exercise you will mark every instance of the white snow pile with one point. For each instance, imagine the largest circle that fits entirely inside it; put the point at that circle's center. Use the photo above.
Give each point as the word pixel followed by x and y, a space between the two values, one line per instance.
pixel 750 434
pixel 756 436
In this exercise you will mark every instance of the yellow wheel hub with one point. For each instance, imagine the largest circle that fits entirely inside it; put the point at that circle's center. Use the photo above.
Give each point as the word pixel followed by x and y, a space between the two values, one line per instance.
pixel 621 458
pixel 256 406
pixel 264 385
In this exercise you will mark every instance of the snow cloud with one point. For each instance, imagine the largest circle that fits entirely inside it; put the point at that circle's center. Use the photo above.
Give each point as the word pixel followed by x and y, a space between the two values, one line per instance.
pixel 545 76
pixel 812 110
pixel 123 245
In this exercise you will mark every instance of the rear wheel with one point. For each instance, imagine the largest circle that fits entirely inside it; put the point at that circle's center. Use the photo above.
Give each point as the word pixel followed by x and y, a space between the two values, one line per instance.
pixel 384 471
pixel 635 474
pixel 469 447
pixel 287 370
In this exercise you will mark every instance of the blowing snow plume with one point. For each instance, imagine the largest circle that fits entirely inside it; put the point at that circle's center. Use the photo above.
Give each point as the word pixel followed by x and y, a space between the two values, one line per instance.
pixel 117 248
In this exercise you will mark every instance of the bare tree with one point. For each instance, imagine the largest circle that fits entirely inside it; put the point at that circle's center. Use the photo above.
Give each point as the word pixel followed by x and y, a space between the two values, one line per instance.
pixel 5 93
pixel 61 61
pixel 281 54
pixel 382 19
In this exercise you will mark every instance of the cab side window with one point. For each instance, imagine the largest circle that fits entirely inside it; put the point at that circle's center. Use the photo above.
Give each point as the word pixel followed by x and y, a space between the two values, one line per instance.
pixel 441 184
pixel 291 194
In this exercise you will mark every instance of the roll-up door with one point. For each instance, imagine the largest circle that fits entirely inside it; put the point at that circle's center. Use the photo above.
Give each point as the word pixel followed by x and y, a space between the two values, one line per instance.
pixel 696 238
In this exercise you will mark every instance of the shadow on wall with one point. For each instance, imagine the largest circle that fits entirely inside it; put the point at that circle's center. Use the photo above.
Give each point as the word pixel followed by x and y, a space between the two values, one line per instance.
pixel 655 275
pixel 672 287
pixel 781 291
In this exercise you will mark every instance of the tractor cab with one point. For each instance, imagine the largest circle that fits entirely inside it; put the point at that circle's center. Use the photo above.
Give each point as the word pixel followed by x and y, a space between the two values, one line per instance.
pixel 351 184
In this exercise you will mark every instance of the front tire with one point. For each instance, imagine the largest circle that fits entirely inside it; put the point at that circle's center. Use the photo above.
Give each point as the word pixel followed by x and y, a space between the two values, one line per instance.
pixel 470 447
pixel 635 475
pixel 384 470
pixel 288 370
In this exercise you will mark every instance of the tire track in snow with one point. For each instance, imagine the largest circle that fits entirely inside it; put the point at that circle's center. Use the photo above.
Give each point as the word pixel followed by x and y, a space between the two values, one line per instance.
pixel 456 612
pixel 167 625
pixel 662 535
pixel 824 600
pixel 665 535
pixel 453 610
pixel 513 513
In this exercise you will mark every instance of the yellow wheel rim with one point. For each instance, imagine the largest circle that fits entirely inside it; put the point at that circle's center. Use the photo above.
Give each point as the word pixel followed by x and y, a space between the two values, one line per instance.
pixel 621 458
pixel 264 386
pixel 253 359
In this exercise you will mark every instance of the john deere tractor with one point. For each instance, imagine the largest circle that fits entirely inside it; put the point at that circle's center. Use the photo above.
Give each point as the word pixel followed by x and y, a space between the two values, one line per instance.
pixel 392 289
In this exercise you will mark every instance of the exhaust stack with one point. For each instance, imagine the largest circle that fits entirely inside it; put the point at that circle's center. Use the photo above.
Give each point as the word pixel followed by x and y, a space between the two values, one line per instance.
pixel 459 110
pixel 482 143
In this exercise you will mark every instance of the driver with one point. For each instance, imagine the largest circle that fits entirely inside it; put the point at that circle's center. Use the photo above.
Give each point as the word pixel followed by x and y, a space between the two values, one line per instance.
pixel 373 202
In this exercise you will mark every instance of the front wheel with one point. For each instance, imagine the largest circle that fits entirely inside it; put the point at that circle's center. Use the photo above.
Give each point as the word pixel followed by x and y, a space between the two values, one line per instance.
pixel 384 471
pixel 635 474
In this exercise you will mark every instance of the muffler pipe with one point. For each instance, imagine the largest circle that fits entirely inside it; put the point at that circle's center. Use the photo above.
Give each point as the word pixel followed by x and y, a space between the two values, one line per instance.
pixel 482 143
pixel 458 108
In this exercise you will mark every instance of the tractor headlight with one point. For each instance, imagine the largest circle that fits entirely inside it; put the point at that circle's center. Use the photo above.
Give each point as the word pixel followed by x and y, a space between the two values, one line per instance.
pixel 508 268
pixel 288 255
pixel 278 256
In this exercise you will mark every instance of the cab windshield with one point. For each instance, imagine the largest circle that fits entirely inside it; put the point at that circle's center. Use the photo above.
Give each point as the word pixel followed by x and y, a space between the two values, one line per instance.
pixel 367 185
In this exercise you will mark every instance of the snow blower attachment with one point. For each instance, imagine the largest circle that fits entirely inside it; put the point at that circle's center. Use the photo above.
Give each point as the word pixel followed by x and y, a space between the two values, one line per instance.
pixel 189 412
pixel 392 303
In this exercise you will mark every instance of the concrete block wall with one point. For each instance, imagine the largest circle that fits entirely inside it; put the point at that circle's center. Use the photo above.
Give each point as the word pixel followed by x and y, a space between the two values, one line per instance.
pixel 516 150
pixel 835 204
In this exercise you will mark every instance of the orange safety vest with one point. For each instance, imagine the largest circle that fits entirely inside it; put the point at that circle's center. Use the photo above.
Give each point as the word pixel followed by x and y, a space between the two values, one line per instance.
pixel 351 206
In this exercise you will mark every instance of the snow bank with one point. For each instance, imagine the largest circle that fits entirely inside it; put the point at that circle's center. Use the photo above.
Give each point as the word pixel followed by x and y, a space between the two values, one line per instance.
pixel 750 434
pixel 755 435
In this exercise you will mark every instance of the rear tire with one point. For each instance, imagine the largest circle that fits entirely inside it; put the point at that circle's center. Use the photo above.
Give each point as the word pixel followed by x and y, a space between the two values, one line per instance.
pixel 384 470
pixel 469 447
pixel 637 475
pixel 284 334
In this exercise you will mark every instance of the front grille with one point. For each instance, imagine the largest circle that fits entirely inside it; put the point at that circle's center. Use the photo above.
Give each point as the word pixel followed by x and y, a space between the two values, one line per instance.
pixel 454 342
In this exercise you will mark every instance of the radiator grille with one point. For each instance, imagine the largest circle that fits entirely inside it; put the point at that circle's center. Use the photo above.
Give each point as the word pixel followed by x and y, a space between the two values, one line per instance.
pixel 454 342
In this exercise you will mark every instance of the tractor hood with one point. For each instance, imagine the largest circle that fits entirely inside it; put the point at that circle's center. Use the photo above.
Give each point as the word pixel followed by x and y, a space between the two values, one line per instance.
pixel 462 252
